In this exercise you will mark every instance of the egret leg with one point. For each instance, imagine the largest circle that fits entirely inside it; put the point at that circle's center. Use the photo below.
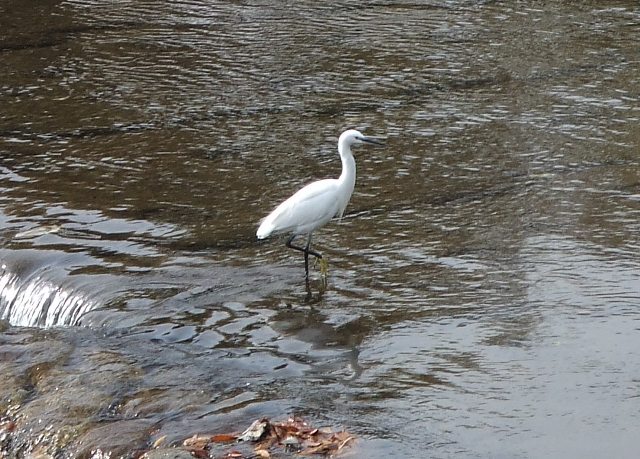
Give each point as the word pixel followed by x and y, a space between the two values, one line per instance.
pixel 306 264
pixel 306 256
pixel 306 250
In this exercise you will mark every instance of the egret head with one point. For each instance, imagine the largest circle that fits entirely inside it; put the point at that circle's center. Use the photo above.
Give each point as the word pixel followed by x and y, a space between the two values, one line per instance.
pixel 353 137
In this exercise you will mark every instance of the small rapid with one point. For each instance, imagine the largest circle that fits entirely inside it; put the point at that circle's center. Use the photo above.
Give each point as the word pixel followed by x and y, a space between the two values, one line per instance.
pixel 35 301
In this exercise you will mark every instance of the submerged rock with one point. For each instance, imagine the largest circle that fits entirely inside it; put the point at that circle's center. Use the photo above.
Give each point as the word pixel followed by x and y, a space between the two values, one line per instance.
pixel 118 438
pixel 167 453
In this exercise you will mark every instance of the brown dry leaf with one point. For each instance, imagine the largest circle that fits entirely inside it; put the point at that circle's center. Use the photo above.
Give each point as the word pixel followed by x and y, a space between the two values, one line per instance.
pixel 197 442
pixel 223 438
pixel 279 431
pixel 263 453
pixel 344 442
pixel 312 444
pixel 199 453
pixel 268 442
pixel 294 434
pixel 327 445
pixel 317 450
pixel 323 448
pixel 340 436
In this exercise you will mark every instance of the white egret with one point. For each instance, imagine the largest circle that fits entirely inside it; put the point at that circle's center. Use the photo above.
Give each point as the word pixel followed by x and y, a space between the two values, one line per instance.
pixel 317 203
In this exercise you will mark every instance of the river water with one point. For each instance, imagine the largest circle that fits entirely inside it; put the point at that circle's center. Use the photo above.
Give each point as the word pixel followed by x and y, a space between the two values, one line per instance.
pixel 484 287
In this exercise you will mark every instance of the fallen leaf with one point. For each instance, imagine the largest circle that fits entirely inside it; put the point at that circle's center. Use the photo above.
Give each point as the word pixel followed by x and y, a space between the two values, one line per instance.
pixel 313 444
pixel 322 448
pixel 268 442
pixel 291 436
pixel 331 444
pixel 223 438
pixel 344 442
pixel 198 442
pixel 199 453
pixel 339 436
pixel 279 431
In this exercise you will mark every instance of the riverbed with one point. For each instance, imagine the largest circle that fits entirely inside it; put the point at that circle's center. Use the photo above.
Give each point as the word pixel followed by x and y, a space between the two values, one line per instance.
pixel 483 292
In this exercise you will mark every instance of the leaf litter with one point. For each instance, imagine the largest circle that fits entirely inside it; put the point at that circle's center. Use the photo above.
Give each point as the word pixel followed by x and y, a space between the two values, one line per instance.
pixel 265 438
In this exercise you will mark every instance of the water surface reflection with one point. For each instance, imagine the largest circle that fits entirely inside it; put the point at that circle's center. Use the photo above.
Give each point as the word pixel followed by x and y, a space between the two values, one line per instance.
pixel 483 288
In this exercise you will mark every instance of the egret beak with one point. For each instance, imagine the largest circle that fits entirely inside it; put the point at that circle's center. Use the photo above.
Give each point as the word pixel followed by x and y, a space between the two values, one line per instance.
pixel 372 140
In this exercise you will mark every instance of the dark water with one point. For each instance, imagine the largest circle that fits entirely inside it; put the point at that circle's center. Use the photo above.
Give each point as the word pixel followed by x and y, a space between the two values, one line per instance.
pixel 484 288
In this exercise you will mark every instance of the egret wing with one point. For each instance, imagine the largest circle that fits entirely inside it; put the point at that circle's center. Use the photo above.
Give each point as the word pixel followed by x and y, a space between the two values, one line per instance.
pixel 306 210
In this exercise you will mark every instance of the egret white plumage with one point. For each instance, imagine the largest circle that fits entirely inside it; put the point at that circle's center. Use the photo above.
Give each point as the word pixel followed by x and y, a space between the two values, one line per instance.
pixel 318 202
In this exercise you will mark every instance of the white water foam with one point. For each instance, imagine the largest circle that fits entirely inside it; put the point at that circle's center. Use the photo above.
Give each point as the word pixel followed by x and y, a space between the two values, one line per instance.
pixel 37 302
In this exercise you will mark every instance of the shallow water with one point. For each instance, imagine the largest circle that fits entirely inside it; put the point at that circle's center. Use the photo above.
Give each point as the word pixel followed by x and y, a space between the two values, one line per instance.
pixel 483 292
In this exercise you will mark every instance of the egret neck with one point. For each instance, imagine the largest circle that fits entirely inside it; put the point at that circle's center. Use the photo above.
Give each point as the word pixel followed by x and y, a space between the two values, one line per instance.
pixel 347 179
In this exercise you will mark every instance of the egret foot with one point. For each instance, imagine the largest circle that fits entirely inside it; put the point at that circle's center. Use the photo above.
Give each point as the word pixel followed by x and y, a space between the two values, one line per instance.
pixel 324 267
